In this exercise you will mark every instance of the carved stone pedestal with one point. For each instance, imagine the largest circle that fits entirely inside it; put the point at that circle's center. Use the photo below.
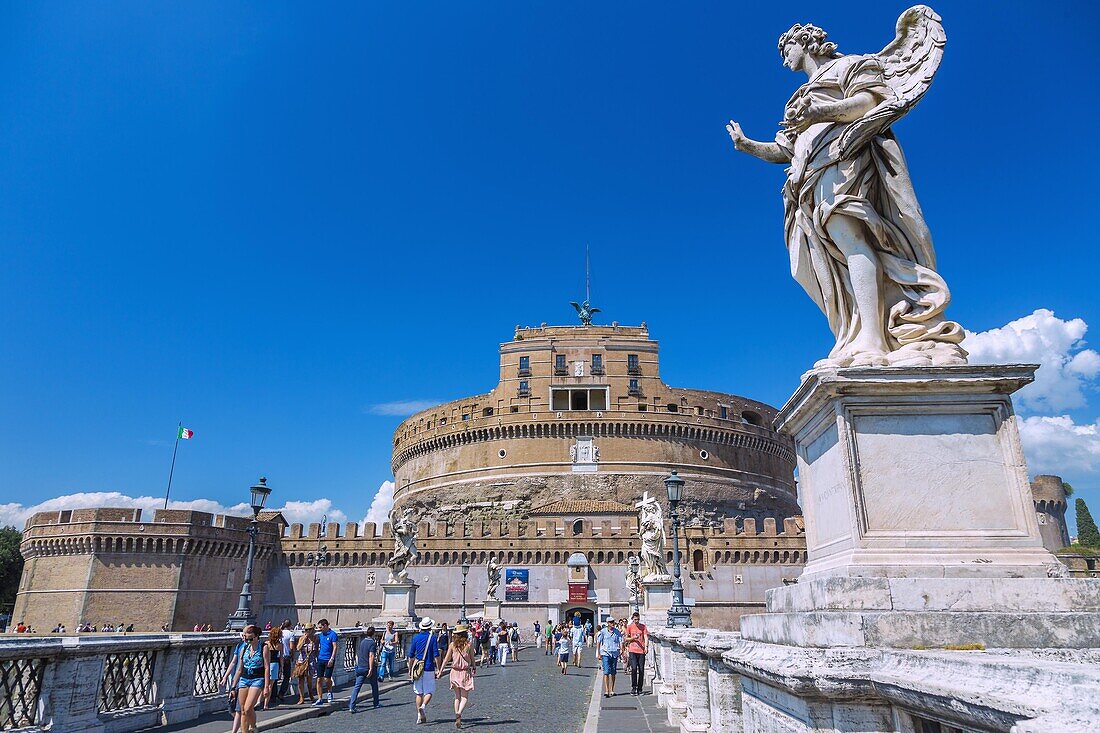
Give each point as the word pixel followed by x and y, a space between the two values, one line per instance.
pixel 492 610
pixel 658 599
pixel 398 605
pixel 914 472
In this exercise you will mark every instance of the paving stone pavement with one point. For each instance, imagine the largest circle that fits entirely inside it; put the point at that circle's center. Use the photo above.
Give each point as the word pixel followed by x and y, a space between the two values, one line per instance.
pixel 528 696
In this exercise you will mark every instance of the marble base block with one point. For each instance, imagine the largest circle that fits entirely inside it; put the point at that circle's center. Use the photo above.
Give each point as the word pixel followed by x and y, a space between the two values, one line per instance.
pixel 492 610
pixel 398 605
pixel 658 599
pixel 914 472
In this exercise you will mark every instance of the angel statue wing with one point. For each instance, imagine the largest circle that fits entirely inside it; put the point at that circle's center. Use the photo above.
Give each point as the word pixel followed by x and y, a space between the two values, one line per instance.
pixel 909 62
pixel 576 305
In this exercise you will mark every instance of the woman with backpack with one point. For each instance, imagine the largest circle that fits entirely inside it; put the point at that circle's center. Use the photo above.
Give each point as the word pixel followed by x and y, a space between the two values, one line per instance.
pixel 251 677
pixel 513 641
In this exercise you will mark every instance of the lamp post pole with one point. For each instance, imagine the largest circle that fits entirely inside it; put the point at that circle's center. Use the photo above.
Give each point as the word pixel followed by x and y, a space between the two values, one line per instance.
pixel 317 558
pixel 244 616
pixel 678 614
pixel 635 587
pixel 465 572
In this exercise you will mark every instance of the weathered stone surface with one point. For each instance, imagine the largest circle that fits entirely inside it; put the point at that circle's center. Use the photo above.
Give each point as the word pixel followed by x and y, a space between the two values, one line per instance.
pixel 914 472
pixel 918 630
pixel 937 594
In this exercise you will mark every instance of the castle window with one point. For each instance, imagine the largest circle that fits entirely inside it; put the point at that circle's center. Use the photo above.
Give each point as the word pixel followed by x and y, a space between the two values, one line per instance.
pixel 752 418
pixel 578 527
pixel 515 408
pixel 524 388
pixel 699 410
pixel 634 388
pixel 597 363
pixel 559 365
pixel 724 412
pixel 672 407
pixel 442 421
pixel 525 366
pixel 465 416
pixel 632 366
pixel 697 561
pixel 642 407
pixel 487 412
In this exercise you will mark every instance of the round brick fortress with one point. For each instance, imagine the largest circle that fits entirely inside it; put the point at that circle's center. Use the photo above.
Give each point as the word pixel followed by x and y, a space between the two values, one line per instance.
pixel 581 412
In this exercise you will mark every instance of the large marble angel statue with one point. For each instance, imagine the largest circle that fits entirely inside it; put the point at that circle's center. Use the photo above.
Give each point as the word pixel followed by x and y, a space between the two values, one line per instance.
pixel 856 236
pixel 492 570
pixel 403 529
pixel 651 529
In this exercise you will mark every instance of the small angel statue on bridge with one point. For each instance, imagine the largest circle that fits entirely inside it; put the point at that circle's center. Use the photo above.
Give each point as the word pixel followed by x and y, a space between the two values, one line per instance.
pixel 403 529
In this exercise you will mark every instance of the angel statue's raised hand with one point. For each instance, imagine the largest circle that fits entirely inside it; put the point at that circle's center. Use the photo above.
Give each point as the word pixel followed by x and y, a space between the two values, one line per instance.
pixel 855 233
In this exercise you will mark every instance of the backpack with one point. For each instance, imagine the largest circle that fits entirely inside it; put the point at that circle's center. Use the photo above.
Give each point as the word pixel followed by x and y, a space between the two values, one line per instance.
pixel 513 635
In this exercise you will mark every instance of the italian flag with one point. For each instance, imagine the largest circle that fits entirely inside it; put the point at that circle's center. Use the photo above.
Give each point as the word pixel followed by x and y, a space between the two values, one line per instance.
pixel 185 434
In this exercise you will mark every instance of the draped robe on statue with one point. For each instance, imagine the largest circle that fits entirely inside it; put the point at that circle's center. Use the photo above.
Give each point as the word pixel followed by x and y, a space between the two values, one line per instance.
pixel 871 185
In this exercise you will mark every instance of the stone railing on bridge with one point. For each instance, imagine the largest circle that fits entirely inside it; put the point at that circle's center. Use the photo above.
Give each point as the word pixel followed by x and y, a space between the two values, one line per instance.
pixel 117 684
pixel 701 674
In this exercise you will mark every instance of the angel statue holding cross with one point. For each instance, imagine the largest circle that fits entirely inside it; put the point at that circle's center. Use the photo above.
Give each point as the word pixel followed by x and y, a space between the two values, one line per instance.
pixel 855 233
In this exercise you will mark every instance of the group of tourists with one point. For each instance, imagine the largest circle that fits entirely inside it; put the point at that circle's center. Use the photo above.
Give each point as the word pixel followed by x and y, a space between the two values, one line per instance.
pixel 494 643
pixel 617 641
pixel 262 665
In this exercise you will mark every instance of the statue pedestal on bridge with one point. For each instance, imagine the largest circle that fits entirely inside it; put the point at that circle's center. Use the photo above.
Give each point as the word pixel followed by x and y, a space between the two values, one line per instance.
pixel 492 610
pixel 398 605
pixel 658 600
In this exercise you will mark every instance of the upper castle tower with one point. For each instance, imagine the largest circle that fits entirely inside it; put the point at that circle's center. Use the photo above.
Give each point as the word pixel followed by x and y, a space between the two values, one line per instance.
pixel 582 412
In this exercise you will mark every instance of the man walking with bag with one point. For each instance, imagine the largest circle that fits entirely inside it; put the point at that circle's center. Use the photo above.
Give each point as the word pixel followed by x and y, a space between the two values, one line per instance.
pixel 366 669
pixel 423 660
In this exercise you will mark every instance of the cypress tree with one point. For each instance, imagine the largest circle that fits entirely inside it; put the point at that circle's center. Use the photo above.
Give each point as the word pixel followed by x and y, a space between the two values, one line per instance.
pixel 1087 534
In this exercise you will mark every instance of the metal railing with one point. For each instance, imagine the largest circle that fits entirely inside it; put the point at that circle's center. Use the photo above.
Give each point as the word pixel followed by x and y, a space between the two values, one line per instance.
pixel 209 667
pixel 121 683
pixel 20 685
pixel 127 681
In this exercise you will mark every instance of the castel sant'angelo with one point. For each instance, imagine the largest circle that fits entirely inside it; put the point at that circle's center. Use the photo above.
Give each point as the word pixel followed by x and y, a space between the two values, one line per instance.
pixel 541 474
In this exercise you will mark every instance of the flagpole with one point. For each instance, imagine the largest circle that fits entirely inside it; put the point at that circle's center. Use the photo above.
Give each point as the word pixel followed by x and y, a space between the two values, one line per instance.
pixel 172 470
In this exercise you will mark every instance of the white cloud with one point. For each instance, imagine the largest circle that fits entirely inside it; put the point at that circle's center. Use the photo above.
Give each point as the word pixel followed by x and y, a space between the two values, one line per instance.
pixel 401 408
pixel 1060 446
pixel 1068 370
pixel 381 505
pixel 295 511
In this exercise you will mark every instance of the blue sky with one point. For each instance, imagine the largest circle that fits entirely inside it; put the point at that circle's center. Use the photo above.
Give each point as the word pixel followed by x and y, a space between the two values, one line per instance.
pixel 268 219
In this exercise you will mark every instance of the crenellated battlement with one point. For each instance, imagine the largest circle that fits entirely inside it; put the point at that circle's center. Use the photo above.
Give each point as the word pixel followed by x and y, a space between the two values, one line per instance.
pixel 121 530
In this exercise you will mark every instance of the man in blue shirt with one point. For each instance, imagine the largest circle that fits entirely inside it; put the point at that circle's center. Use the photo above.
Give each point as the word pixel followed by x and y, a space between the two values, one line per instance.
pixel 326 661
pixel 424 647
pixel 609 645
pixel 366 669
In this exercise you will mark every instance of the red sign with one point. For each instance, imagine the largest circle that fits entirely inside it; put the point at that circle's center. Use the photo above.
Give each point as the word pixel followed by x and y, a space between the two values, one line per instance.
pixel 578 592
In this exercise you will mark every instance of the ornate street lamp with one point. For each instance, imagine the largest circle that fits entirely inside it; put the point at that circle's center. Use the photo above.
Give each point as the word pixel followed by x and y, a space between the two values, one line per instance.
pixel 465 572
pixel 317 559
pixel 635 588
pixel 244 616
pixel 678 614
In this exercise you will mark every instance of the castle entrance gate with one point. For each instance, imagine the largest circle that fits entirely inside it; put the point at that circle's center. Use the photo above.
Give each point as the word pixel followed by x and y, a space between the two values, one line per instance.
pixel 587 614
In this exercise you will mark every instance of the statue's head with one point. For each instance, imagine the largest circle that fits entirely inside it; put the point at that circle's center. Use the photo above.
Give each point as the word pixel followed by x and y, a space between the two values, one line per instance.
pixel 802 40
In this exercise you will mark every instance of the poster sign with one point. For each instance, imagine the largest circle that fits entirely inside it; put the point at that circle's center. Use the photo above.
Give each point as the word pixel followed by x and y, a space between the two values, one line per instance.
pixel 578 592
pixel 516 583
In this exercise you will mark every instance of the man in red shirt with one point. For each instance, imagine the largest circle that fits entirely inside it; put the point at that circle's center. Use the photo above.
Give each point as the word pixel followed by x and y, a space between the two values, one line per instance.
pixel 637 644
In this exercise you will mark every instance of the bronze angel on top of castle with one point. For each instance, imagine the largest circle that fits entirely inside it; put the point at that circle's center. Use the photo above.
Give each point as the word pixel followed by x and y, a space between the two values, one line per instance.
pixel 856 237
pixel 585 311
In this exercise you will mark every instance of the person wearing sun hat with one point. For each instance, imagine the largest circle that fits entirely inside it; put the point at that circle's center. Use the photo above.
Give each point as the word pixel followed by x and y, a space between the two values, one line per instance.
pixel 424 648
pixel 461 658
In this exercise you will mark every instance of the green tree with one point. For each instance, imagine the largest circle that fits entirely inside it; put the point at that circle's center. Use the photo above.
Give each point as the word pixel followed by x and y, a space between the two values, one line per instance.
pixel 11 566
pixel 1066 487
pixel 1087 534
